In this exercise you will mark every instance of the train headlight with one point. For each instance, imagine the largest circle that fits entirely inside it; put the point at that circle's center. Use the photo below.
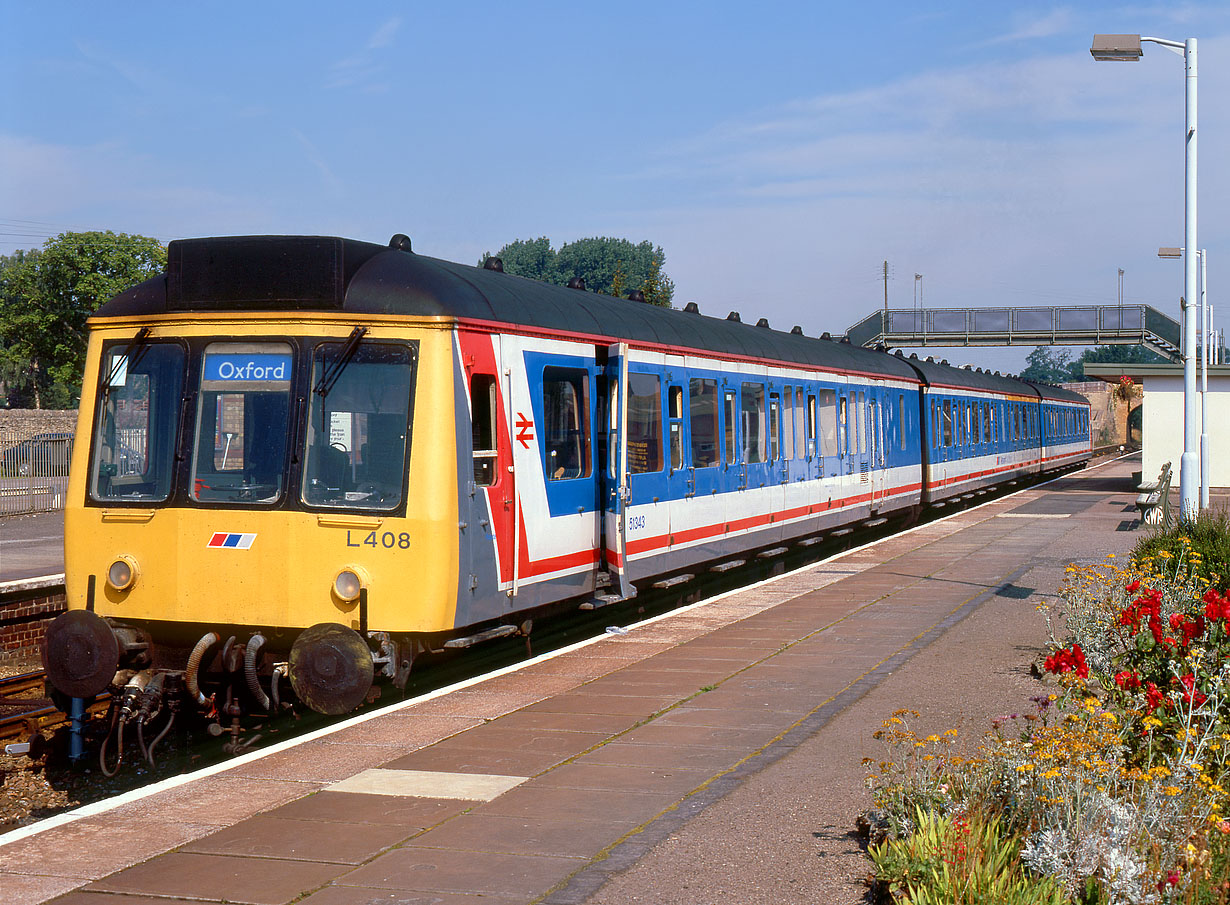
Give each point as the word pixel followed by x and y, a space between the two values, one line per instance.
pixel 122 574
pixel 347 585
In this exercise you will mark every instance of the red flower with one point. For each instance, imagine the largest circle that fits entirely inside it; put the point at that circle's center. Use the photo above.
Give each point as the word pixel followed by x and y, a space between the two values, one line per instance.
pixel 1065 660
pixel 1127 680
pixel 1190 694
pixel 1153 697
pixel 1216 606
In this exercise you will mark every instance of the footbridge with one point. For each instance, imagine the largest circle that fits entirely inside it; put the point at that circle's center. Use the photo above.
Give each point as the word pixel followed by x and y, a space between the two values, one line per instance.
pixel 1089 325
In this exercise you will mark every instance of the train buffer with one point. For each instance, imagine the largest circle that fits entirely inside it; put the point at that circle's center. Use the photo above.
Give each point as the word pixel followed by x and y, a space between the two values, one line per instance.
pixel 1154 500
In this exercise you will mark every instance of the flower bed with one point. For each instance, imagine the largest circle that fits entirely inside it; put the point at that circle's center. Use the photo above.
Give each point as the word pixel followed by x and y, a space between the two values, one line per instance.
pixel 1110 789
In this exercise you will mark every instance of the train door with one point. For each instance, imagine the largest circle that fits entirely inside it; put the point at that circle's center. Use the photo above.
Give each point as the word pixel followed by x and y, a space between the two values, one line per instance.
pixel 616 493
pixel 702 505
pixel 510 500
pixel 775 480
pixel 876 434
pixel 680 476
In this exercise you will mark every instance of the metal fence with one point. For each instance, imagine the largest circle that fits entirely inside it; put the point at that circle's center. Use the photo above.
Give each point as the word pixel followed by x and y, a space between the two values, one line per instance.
pixel 33 469
pixel 1077 325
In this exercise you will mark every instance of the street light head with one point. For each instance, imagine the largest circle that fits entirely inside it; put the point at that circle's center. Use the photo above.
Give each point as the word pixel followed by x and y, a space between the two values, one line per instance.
pixel 1116 48
pixel 1170 252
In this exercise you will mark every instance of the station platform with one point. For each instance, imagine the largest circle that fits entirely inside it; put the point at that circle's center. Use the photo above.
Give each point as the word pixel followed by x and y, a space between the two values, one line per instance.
pixel 709 755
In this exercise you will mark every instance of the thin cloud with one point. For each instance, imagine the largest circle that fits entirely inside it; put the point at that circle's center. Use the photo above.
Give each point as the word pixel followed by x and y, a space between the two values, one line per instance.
pixel 363 69
pixel 1054 23
pixel 317 160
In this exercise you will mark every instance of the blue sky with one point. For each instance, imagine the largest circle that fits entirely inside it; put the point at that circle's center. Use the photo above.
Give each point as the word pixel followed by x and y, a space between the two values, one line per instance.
pixel 779 153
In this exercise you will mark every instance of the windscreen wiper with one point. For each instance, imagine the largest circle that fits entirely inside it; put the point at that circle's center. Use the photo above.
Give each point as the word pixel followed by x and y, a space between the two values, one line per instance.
pixel 129 358
pixel 334 371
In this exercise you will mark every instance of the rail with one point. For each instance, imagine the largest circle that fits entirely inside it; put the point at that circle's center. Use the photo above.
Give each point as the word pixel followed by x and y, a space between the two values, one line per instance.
pixel 1084 325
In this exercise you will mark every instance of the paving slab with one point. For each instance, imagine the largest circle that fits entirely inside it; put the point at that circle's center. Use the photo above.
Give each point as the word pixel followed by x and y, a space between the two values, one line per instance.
pixel 709 756
pixel 243 881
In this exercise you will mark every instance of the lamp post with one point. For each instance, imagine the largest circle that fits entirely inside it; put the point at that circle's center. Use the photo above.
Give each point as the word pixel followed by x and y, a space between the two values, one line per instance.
pixel 1127 48
pixel 917 289
pixel 1206 339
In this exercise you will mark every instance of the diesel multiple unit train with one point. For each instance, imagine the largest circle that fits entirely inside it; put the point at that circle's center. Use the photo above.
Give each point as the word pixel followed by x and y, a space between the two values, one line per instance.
pixel 305 460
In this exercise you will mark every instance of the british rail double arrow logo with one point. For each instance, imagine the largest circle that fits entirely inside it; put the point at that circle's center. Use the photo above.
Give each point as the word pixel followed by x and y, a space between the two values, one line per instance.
pixel 525 429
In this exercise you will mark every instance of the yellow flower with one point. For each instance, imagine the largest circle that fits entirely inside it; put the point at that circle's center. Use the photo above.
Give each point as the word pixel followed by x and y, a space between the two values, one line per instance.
pixel 1171 790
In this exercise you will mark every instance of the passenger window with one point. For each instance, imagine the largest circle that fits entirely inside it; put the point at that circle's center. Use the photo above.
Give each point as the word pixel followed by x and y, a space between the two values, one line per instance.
pixel 644 423
pixel 752 417
pixel 826 402
pixel 947 426
pixel 730 412
pixel 703 415
pixel 674 402
pixel 565 409
pixel 483 428
pixel 860 412
pixel 804 423
pixel 774 427
pixel 788 425
pixel 901 418
pixel 842 422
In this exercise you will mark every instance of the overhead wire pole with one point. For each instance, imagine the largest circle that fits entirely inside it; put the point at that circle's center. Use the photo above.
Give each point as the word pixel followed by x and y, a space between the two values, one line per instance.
pixel 1127 48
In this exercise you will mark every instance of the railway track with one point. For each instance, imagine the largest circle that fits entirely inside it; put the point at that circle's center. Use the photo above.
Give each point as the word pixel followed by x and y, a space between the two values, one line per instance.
pixel 25 711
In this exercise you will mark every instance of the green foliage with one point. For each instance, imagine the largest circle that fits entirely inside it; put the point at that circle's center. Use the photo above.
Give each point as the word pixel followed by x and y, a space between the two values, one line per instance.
pixel 1208 537
pixel 608 265
pixel 45 298
pixel 960 860
pixel 533 259
pixel 1047 364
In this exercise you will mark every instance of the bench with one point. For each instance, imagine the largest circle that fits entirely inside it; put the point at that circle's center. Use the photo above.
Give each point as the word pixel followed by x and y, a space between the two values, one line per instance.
pixel 1154 500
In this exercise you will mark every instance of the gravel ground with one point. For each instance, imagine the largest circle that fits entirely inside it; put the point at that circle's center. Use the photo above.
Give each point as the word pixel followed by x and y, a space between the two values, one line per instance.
pixel 32 789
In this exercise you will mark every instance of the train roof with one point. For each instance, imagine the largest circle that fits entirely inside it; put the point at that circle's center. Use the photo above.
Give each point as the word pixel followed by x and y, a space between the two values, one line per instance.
pixel 941 374
pixel 283 273
pixel 1053 393
pixel 325 273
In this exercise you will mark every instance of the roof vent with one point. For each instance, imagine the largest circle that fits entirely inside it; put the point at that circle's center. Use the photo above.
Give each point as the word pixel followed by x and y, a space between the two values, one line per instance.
pixel 692 308
pixel 968 367
pixel 881 347
pixel 401 242
pixel 495 264
pixel 930 360
pixel 899 354
pixel 577 283
pixel 796 330
pixel 913 356
pixel 636 296
pixel 763 322
pixel 943 361
pixel 734 316
pixel 827 335
pixel 846 340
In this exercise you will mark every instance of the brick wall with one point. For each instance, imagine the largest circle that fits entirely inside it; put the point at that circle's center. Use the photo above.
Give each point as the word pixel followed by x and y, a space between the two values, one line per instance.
pixel 23 619
pixel 34 421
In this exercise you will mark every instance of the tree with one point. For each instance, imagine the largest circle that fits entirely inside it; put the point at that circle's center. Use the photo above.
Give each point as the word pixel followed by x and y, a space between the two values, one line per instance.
pixel 1048 365
pixel 1123 354
pixel 607 265
pixel 533 259
pixel 45 300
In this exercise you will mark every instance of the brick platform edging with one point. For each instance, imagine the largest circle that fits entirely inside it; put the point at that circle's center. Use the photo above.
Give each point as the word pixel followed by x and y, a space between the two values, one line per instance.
pixel 27 606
